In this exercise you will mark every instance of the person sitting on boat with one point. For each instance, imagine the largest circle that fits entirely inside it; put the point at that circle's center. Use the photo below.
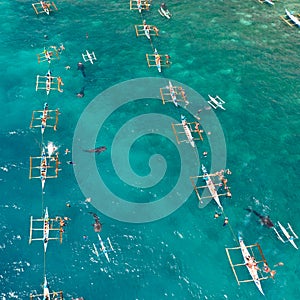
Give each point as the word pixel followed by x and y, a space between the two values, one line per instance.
pixel 163 6
pixel 45 5
pixel 157 59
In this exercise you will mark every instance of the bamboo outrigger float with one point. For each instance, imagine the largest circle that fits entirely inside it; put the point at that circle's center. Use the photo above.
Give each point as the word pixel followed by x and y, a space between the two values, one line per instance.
pixel 286 234
pixel 48 226
pixel 48 83
pixel 46 163
pixel 48 55
pixel 40 118
pixel 211 185
pixel 146 30
pixel 47 295
pixel 44 7
pixel 291 19
pixel 174 94
pixel 157 60
pixel 139 5
pixel 250 263
pixel 191 134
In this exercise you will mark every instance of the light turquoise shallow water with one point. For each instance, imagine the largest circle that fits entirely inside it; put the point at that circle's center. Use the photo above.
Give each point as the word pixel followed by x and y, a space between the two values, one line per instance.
pixel 241 51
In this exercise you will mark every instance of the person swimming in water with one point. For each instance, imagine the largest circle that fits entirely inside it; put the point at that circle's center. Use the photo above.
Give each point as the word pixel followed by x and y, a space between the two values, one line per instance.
pixel 81 67
pixel 81 93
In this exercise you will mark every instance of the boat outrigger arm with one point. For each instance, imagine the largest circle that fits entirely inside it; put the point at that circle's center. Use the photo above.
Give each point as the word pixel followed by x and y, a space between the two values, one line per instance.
pixel 42 7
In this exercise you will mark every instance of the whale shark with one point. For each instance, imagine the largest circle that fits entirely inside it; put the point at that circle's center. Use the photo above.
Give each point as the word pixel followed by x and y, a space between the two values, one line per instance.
pixel 265 220
pixel 96 150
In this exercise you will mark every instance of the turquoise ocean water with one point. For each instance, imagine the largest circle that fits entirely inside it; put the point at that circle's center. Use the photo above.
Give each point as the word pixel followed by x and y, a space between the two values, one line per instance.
pixel 240 50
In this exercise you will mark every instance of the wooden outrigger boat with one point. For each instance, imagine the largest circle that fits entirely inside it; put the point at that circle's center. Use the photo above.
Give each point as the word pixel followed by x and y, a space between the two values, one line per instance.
pixel 164 12
pixel 42 117
pixel 91 57
pixel 284 235
pixel 48 83
pixel 174 94
pixel 48 225
pixel 216 102
pixel 48 55
pixel 44 7
pixel 157 60
pixel 139 5
pixel 211 186
pixel 146 30
pixel 188 132
pixel 46 163
pixel 250 263
pixel 291 19
pixel 47 294
pixel 104 247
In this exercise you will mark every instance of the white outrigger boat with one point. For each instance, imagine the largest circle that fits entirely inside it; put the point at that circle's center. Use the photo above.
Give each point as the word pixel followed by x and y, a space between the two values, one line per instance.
pixel 146 30
pixel 103 248
pixel 140 5
pixel 157 60
pixel 91 57
pixel 174 94
pixel 216 102
pixel 42 116
pixel 250 263
pixel 187 132
pixel 284 236
pixel 46 293
pixel 164 12
pixel 43 7
pixel 211 187
pixel 291 19
pixel 48 83
pixel 44 166
pixel 56 225
pixel 267 1
pixel 47 55
pixel 210 184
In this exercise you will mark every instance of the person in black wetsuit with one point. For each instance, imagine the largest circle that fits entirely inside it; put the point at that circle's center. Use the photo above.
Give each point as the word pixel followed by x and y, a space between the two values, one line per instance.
pixel 81 93
pixel 81 67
